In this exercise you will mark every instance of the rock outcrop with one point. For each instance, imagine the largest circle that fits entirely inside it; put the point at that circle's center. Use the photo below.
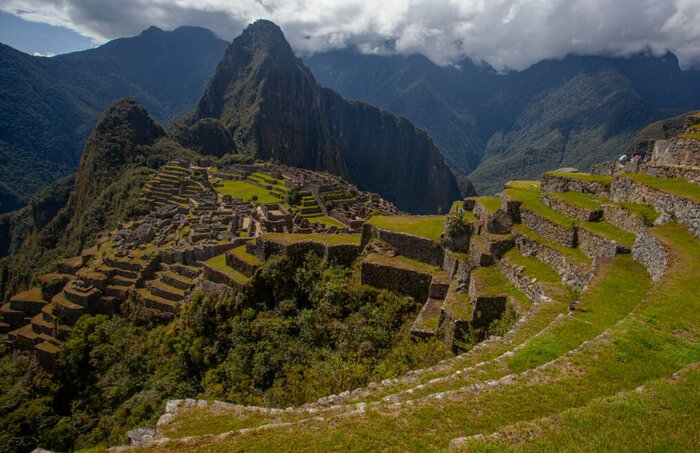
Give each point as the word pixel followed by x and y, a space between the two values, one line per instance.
pixel 273 108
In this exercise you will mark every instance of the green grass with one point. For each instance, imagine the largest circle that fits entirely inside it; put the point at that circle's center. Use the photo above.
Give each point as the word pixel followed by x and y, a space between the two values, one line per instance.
pixel 327 221
pixel 530 200
pixel 429 227
pixel 496 284
pixel 458 304
pixel 328 239
pixel 243 255
pixel 660 415
pixel 655 337
pixel 600 179
pixel 492 204
pixel 609 231
pixel 580 199
pixel 546 276
pixel 245 191
pixel 678 187
pixel 219 263
pixel 646 212
pixel 523 184
pixel 402 262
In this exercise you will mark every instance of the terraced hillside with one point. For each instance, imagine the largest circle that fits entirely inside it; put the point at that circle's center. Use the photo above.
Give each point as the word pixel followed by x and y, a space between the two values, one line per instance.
pixel 571 303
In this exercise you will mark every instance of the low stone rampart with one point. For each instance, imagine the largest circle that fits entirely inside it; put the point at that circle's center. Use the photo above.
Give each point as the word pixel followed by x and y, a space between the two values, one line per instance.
pixel 571 210
pixel 562 183
pixel 648 251
pixel 560 234
pixel 684 210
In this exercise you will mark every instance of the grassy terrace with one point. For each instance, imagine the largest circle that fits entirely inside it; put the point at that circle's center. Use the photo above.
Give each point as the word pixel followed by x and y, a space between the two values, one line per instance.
pixel 673 186
pixel 246 191
pixel 571 254
pixel 405 263
pixel 428 226
pixel 457 304
pixel 580 199
pixel 609 231
pixel 658 338
pixel 589 428
pixel 547 277
pixel 219 263
pixel 492 204
pixel 496 284
pixel 530 200
pixel 243 255
pixel 600 179
pixel 640 210
pixel 328 239
pixel 327 221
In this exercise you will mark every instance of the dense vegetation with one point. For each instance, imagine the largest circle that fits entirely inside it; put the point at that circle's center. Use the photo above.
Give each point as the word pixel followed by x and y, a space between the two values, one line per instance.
pixel 303 334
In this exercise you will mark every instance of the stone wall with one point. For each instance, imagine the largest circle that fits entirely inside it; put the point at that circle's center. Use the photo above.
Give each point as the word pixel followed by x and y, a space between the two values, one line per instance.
pixel 571 274
pixel 559 183
pixel 690 174
pixel 676 151
pixel 563 235
pixel 517 277
pixel 685 211
pixel 404 281
pixel 594 245
pixel 570 210
pixel 408 245
pixel 623 219
pixel 648 251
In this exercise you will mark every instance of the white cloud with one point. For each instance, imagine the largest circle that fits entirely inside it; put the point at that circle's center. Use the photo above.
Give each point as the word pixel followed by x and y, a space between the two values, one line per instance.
pixel 505 33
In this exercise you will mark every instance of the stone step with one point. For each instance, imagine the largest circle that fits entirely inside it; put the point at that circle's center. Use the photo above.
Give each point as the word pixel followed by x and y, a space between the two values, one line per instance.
pixel 117 291
pixel 47 313
pixel 124 263
pixel 66 311
pixel 81 297
pixel 400 274
pixel 40 325
pixel 489 292
pixel 118 280
pixel 242 261
pixel 455 316
pixel 175 280
pixel 30 302
pixel 554 181
pixel 24 338
pixel 154 302
pixel 428 320
pixel 4 327
pixel 15 318
pixel 600 239
pixel 576 205
pixel 70 265
pixel 92 276
pixel 574 266
pixel 186 271
pixel 53 283
pixel 47 354
pixel 115 271
pixel 161 289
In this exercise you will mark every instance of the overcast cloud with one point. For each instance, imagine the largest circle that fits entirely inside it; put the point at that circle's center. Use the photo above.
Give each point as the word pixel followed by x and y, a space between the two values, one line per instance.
pixel 505 33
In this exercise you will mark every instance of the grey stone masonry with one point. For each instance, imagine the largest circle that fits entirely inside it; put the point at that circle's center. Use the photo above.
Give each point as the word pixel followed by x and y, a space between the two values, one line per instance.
pixel 595 245
pixel 565 183
pixel 560 234
pixel 623 219
pixel 408 245
pixel 394 278
pixel 572 274
pixel 684 210
pixel 648 251
pixel 571 210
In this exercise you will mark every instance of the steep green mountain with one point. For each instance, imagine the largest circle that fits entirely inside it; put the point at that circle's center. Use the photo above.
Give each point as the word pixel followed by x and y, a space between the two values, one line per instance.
pixel 494 127
pixel 67 216
pixel 273 108
pixel 48 106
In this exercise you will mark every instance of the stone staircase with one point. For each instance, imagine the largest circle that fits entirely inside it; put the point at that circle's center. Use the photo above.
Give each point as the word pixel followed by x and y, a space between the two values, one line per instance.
pixel 172 285
pixel 171 185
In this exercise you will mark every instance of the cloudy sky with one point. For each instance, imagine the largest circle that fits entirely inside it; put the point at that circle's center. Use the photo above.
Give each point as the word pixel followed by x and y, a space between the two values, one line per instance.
pixel 505 33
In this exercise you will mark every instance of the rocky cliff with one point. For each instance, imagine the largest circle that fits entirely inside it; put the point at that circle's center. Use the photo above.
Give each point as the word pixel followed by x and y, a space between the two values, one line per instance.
pixel 272 106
